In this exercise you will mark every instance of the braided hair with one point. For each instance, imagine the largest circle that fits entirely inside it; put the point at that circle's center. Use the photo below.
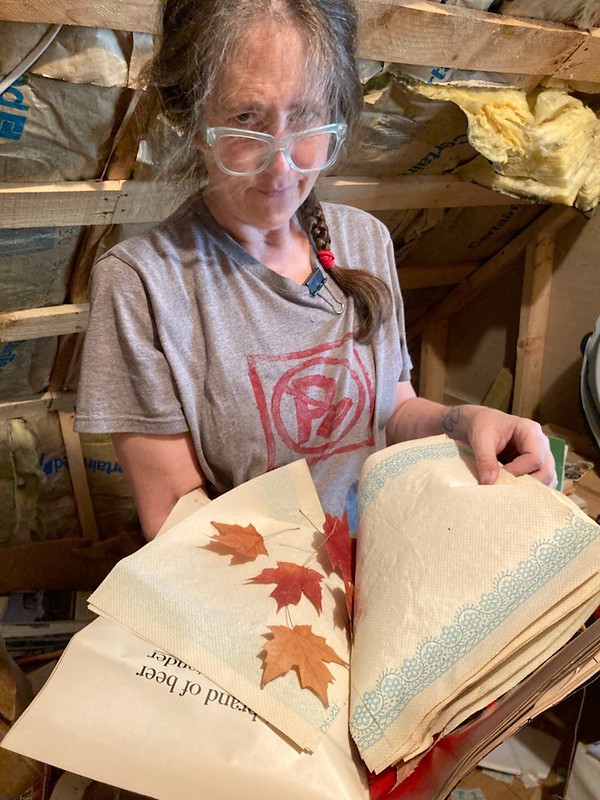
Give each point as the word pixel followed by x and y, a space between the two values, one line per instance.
pixel 372 298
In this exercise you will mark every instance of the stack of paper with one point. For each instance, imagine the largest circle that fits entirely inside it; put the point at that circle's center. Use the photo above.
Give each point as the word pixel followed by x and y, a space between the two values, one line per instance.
pixel 462 591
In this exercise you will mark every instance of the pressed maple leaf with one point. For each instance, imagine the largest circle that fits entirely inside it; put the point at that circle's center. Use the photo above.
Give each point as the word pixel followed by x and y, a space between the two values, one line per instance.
pixel 246 541
pixel 340 547
pixel 338 544
pixel 293 580
pixel 300 649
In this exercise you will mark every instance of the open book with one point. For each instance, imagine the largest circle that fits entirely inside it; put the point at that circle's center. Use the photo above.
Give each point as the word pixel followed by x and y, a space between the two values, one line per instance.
pixel 468 604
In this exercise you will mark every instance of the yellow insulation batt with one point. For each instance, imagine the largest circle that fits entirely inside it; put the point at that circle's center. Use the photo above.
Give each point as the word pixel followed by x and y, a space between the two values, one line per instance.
pixel 544 146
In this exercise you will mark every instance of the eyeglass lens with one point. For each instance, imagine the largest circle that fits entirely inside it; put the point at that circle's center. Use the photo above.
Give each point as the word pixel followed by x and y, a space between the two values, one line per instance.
pixel 243 154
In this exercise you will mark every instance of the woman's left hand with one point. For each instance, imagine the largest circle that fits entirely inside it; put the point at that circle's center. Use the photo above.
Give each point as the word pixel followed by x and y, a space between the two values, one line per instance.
pixel 519 443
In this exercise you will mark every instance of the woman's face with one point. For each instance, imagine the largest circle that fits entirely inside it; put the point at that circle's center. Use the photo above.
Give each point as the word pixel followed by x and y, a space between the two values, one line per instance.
pixel 264 90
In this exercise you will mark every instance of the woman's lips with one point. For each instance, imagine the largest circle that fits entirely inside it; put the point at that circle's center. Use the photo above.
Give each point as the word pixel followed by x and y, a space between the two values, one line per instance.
pixel 276 192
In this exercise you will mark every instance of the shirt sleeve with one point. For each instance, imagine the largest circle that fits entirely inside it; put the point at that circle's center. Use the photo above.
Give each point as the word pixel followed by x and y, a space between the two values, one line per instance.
pixel 126 384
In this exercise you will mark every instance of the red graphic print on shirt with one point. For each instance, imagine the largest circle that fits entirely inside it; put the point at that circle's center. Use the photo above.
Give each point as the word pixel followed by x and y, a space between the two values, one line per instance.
pixel 314 403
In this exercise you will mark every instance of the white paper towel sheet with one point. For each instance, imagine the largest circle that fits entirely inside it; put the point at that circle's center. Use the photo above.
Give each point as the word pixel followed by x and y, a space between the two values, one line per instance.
pixel 120 711
pixel 182 595
pixel 461 591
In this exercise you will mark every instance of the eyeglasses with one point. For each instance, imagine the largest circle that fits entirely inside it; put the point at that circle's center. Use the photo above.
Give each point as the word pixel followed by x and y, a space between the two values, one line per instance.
pixel 241 152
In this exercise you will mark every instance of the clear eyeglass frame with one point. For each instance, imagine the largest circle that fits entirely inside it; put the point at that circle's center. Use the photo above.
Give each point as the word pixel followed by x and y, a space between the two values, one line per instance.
pixel 214 134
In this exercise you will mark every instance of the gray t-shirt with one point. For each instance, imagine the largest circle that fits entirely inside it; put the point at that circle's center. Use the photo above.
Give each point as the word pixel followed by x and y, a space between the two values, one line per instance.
pixel 189 332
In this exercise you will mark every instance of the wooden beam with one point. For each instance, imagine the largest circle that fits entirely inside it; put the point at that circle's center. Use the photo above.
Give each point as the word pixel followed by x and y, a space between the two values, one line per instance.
pixel 584 62
pixel 422 33
pixel 428 277
pixel 50 401
pixel 535 305
pixel 36 323
pixel 133 15
pixel 30 205
pixel 410 191
pixel 86 203
pixel 404 31
pixel 432 371
pixel 79 481
pixel 548 223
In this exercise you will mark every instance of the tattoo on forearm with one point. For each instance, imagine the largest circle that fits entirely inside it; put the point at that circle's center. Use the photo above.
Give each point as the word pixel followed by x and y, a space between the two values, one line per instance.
pixel 450 419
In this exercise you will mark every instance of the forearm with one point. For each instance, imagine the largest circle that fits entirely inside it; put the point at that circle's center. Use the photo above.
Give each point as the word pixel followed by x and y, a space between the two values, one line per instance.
pixel 490 433
pixel 159 470
pixel 417 418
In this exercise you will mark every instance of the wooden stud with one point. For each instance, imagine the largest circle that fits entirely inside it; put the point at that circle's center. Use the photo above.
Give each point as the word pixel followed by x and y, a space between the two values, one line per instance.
pixel 36 323
pixel 432 373
pixel 404 31
pixel 535 305
pixel 81 489
pixel 548 223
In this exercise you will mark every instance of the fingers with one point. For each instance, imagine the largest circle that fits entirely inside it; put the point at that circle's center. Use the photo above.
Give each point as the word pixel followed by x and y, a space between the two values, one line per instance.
pixel 488 469
pixel 496 433
pixel 534 455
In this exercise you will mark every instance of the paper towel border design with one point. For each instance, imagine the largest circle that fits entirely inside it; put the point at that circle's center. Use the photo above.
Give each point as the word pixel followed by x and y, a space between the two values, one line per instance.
pixel 391 467
pixel 395 688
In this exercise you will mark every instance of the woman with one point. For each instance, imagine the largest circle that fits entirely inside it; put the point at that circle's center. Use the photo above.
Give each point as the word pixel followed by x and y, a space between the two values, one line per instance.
pixel 228 341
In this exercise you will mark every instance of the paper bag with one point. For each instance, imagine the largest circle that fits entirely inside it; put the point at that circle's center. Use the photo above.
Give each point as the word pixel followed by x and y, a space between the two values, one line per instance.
pixel 462 590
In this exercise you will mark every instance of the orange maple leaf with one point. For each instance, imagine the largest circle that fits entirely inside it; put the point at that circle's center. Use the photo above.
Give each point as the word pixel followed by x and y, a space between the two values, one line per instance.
pixel 339 547
pixel 300 649
pixel 246 542
pixel 292 581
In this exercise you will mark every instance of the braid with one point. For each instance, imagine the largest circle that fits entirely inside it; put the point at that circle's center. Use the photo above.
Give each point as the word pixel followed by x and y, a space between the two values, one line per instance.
pixel 372 298
pixel 318 228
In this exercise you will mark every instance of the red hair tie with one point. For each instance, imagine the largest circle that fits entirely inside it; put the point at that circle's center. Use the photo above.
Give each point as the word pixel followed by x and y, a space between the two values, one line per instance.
pixel 326 258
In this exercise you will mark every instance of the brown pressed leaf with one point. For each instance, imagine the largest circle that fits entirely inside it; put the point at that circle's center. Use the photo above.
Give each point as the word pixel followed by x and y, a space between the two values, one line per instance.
pixel 246 542
pixel 292 581
pixel 340 549
pixel 300 649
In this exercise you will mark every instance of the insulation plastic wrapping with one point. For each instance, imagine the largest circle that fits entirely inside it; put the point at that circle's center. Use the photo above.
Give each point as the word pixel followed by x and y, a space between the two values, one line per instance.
pixel 35 486
pixel 582 13
pixel 57 120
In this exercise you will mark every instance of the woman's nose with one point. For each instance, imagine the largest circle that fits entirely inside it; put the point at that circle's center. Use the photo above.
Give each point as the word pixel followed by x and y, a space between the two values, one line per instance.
pixel 279 164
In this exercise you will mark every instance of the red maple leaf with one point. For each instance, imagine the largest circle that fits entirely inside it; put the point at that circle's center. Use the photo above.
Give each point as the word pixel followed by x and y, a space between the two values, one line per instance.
pixel 300 649
pixel 246 542
pixel 340 548
pixel 338 544
pixel 292 581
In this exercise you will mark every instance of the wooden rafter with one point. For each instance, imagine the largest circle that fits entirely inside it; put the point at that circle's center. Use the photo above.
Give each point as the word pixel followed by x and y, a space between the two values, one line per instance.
pixel 405 31
pixel 548 223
